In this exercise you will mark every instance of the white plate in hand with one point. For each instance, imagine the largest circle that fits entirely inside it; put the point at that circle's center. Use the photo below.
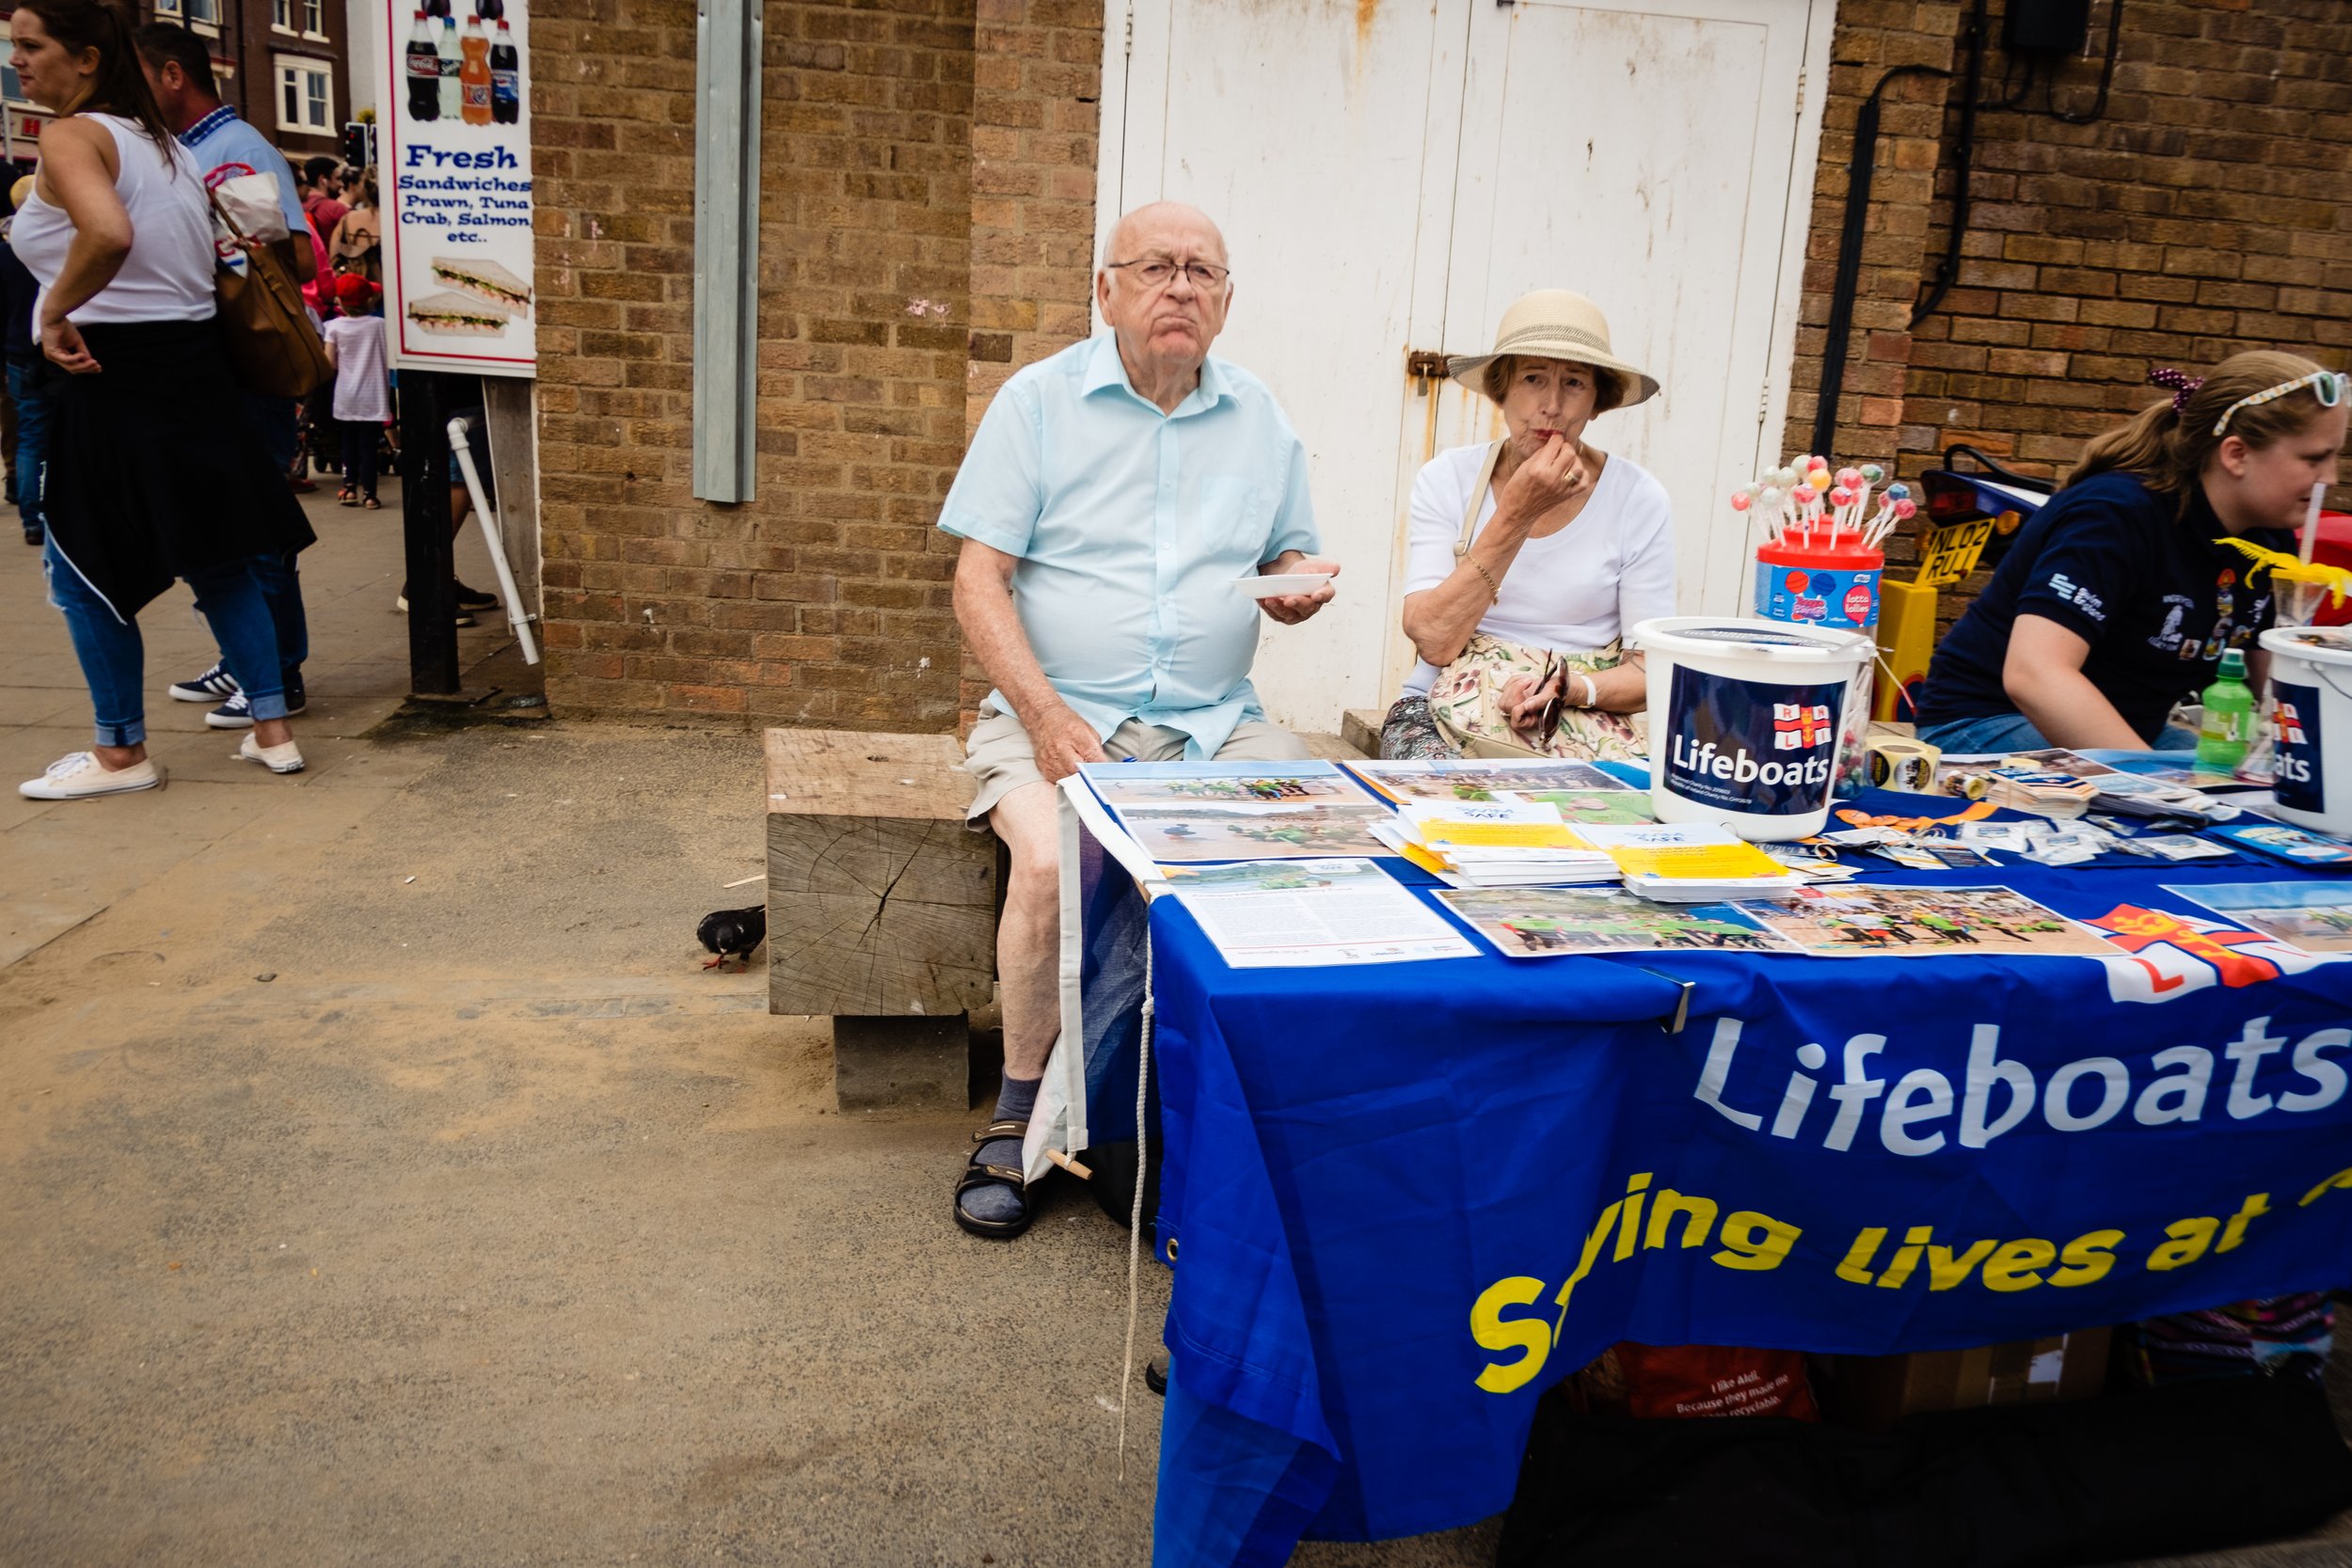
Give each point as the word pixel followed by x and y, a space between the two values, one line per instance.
pixel 1281 584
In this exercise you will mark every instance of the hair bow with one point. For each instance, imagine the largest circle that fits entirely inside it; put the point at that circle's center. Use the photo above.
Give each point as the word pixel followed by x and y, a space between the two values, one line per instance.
pixel 2181 383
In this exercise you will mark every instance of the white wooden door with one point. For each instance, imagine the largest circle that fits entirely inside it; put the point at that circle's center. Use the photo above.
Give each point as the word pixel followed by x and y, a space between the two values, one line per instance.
pixel 1391 176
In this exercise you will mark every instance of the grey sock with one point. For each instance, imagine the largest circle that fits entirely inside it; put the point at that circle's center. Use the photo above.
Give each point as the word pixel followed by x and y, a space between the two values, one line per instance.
pixel 1015 1098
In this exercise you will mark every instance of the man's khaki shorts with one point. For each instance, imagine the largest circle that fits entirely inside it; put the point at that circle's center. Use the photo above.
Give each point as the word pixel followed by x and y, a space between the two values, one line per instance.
pixel 1001 759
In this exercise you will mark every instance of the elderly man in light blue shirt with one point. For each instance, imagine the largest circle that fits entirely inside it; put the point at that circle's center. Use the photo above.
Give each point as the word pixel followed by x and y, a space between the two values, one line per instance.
pixel 1111 498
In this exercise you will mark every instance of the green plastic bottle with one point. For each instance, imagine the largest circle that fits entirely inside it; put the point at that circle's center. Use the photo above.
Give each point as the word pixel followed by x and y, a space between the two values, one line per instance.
pixel 2228 728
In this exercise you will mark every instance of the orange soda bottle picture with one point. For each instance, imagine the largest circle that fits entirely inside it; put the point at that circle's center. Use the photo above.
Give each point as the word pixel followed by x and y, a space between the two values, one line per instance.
pixel 474 75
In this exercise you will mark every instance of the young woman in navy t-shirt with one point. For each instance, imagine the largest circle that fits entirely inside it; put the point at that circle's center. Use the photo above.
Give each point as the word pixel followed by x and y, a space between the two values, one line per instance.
pixel 2115 602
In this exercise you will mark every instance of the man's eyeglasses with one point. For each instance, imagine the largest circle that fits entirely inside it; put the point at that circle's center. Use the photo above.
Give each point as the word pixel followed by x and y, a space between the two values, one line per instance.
pixel 2326 385
pixel 1156 272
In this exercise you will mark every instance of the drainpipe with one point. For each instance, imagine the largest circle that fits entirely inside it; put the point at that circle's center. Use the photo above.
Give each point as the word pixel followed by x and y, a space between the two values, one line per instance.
pixel 727 246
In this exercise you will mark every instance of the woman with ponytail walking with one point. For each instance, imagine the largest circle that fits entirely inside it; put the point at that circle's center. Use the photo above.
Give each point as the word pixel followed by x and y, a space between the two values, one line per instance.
pixel 152 472
pixel 2116 602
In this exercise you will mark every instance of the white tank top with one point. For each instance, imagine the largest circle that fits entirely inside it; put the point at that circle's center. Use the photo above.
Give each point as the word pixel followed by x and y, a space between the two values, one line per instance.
pixel 168 274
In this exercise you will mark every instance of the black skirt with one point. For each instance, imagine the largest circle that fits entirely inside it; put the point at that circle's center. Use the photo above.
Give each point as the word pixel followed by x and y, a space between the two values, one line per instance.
pixel 154 468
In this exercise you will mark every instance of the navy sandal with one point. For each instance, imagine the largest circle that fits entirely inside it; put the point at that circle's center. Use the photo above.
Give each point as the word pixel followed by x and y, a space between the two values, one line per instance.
pixel 976 1174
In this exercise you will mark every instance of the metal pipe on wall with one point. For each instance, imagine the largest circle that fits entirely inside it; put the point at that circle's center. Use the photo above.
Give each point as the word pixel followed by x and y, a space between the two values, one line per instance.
pixel 727 40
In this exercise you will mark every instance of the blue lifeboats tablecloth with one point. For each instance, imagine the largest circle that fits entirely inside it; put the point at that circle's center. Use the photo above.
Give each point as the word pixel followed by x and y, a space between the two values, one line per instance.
pixel 1400 1201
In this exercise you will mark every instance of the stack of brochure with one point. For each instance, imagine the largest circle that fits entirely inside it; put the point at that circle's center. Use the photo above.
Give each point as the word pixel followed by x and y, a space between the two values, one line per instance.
pixel 1491 844
pixel 1693 862
pixel 2058 795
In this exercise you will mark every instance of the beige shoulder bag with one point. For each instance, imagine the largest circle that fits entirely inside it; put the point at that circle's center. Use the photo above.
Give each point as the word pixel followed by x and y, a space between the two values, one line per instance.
pixel 1466 699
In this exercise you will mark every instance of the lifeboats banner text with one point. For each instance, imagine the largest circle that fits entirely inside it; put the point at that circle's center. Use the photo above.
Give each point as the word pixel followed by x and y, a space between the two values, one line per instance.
pixel 1402 1203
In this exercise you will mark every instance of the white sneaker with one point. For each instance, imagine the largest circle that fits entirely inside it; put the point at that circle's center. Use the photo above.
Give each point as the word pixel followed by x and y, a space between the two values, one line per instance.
pixel 80 776
pixel 462 617
pixel 277 759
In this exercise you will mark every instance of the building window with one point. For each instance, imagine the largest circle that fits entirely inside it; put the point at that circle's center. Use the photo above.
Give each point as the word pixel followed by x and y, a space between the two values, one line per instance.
pixel 167 8
pixel 314 18
pixel 306 99
pixel 10 88
pixel 202 13
pixel 282 16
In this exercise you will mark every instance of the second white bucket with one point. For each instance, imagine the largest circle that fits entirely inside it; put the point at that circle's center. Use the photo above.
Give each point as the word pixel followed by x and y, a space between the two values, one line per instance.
pixel 2311 719
pixel 1745 717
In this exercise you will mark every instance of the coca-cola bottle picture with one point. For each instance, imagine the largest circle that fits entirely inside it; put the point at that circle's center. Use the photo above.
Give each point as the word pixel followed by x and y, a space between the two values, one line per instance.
pixel 424 71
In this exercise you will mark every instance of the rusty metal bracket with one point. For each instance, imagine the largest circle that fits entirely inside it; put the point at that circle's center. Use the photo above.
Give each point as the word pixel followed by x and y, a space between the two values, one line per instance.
pixel 1422 367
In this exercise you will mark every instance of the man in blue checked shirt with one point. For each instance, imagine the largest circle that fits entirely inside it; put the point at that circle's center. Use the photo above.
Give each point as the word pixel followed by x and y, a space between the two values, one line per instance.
pixel 1111 496
pixel 178 69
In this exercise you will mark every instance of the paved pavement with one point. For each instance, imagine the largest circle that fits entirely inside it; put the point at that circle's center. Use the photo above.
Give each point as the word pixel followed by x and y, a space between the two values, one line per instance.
pixel 384 1183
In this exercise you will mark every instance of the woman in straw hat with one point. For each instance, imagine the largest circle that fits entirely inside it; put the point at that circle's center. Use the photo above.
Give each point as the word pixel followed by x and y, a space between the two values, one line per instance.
pixel 1529 558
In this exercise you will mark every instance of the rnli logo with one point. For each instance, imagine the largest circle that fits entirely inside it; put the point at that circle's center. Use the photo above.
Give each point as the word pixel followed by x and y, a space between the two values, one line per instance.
pixel 2161 957
pixel 1799 727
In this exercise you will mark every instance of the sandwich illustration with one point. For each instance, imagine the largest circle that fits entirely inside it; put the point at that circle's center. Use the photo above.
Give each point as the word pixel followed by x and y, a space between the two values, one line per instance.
pixel 455 315
pixel 485 281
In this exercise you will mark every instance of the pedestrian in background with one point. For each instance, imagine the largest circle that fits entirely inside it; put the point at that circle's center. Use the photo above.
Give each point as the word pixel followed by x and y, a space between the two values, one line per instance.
pixel 357 244
pixel 17 290
pixel 363 387
pixel 323 201
pixel 153 471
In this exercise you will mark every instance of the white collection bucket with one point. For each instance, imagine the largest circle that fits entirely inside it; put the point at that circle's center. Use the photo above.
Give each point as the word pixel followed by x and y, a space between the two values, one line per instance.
pixel 2310 680
pixel 1745 717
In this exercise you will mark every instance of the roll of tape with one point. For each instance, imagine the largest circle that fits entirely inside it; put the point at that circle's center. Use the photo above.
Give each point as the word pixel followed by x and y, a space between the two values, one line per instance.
pixel 1898 762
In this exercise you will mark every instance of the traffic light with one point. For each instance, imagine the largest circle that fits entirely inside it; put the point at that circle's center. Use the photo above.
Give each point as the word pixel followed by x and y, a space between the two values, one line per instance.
pixel 360 144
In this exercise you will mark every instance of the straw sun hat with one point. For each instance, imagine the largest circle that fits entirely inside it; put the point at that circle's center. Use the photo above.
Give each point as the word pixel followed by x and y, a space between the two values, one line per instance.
pixel 1554 324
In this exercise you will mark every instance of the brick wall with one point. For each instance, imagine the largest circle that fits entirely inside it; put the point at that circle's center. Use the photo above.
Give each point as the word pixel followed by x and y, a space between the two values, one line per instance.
pixel 1036 108
pixel 926 212
pixel 2205 212
pixel 1873 38
pixel 820 601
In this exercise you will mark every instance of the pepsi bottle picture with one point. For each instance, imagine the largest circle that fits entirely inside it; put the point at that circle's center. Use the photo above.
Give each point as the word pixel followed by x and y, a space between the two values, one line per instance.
pixel 506 76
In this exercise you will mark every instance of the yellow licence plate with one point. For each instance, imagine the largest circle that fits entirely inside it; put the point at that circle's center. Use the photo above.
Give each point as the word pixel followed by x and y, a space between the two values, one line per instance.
pixel 1951 552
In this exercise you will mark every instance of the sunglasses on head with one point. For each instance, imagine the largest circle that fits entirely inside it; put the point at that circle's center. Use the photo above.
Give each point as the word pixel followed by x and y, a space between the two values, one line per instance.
pixel 2326 385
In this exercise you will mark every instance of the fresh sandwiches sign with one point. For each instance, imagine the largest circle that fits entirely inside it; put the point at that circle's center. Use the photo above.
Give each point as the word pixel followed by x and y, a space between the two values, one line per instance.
pixel 454 88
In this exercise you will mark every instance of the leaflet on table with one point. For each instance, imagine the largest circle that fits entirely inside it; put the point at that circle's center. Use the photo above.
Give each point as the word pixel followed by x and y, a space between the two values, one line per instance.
pixel 1580 806
pixel 2172 768
pixel 2276 840
pixel 454 95
pixel 1218 783
pixel 1547 923
pixel 1680 850
pixel 1230 832
pixel 1478 778
pixel 1921 921
pixel 1496 867
pixel 2314 917
pixel 1305 913
pixel 1450 825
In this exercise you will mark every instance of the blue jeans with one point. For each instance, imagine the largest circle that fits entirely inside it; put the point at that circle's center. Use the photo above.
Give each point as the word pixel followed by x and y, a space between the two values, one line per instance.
pixel 281 584
pixel 32 439
pixel 1998 733
pixel 114 658
pixel 274 419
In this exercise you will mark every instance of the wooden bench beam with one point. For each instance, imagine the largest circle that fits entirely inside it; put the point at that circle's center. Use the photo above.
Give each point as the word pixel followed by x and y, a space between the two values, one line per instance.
pixel 881 905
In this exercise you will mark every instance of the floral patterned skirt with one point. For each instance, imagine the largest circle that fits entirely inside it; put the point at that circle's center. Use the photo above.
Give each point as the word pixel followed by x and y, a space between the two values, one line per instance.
pixel 1409 734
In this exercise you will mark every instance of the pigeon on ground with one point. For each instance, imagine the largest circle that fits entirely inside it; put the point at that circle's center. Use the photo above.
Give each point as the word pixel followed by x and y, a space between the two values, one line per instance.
pixel 733 934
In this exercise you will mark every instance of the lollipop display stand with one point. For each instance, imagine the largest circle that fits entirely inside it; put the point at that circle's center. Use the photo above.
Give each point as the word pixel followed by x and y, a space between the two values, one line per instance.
pixel 1821 565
